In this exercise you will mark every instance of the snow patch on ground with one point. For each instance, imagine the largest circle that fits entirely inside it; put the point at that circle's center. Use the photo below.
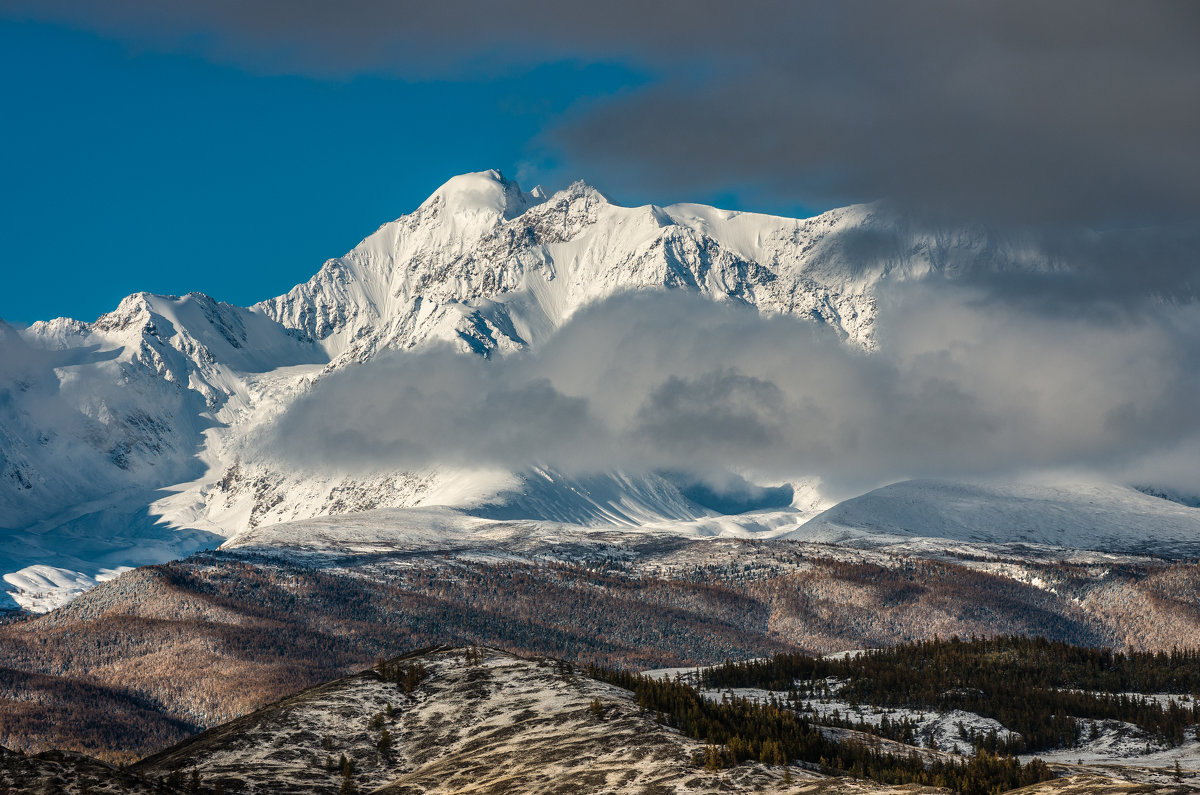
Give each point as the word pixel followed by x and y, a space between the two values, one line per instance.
pixel 1119 743
pixel 940 730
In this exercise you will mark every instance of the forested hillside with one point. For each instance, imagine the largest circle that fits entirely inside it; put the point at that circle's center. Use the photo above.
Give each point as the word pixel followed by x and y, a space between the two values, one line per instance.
pixel 162 652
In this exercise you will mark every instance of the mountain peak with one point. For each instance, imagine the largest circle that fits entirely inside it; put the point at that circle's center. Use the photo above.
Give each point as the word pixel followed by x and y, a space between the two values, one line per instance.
pixel 483 192
pixel 580 189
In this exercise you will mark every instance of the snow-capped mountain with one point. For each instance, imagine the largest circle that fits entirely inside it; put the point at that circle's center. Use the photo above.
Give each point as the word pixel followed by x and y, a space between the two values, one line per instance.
pixel 494 268
pixel 124 441
pixel 125 401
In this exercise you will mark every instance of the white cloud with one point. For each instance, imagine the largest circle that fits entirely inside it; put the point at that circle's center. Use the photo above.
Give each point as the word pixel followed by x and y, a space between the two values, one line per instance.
pixel 671 381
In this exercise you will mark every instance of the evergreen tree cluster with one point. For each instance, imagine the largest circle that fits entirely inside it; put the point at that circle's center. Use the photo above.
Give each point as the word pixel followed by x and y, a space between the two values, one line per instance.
pixel 178 781
pixel 408 677
pixel 737 730
pixel 1036 687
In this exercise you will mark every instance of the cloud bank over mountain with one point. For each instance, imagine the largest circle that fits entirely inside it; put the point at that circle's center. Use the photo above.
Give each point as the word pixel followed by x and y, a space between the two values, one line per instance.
pixel 670 381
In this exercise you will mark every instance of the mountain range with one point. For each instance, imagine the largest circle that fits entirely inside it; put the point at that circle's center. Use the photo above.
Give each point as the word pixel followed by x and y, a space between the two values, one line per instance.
pixel 136 438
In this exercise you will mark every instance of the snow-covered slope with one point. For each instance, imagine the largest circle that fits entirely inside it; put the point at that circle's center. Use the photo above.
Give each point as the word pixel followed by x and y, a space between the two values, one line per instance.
pixel 126 440
pixel 1096 516
pixel 97 418
pixel 124 402
pixel 483 263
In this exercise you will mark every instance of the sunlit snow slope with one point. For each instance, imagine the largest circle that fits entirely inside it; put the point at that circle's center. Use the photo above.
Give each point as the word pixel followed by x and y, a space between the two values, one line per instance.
pixel 1096 516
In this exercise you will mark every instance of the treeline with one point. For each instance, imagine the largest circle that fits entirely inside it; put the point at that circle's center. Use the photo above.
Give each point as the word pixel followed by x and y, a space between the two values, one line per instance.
pixel 1036 687
pixel 737 730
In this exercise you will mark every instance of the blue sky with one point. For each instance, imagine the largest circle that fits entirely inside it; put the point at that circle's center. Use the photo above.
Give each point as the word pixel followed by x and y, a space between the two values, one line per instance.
pixel 129 170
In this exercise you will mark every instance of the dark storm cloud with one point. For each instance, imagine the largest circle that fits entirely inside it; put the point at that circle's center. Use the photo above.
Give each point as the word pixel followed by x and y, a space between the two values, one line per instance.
pixel 674 382
pixel 407 38
pixel 1011 111
pixel 1083 111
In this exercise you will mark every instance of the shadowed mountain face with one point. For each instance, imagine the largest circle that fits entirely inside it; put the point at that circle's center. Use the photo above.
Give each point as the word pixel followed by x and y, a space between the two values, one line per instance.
pixel 733 495
pixel 59 771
